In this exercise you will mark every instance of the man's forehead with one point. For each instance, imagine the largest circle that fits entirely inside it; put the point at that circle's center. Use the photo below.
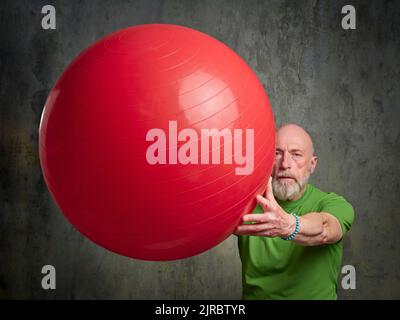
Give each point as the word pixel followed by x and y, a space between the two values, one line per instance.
pixel 291 144
pixel 293 138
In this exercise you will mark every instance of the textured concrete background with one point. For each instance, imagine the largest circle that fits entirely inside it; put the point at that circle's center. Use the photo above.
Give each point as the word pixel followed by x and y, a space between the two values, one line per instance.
pixel 343 86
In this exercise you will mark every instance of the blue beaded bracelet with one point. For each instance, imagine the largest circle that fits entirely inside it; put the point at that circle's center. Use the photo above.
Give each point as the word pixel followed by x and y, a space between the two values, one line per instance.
pixel 296 230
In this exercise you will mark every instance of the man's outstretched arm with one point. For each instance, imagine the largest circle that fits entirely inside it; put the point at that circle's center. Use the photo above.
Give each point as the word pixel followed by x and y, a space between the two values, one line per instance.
pixel 316 228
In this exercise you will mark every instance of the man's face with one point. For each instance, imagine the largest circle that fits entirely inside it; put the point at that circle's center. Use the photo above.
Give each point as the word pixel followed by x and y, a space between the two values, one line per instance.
pixel 294 162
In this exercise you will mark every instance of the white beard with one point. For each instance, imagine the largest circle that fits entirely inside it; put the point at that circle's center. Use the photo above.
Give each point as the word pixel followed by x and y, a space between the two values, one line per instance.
pixel 288 191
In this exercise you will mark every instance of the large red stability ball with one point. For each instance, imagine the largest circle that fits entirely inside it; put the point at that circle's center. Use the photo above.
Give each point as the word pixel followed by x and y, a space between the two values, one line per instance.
pixel 155 141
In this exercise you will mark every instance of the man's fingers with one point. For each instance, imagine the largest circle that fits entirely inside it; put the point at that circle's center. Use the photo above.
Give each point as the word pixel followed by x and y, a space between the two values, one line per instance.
pixel 255 230
pixel 264 202
pixel 256 218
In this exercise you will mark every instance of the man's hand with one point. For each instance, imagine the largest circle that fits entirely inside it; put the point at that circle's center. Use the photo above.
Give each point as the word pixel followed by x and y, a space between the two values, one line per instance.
pixel 274 222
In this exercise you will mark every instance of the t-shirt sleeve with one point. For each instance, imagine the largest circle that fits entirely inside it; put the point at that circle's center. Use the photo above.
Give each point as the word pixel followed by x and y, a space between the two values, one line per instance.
pixel 339 208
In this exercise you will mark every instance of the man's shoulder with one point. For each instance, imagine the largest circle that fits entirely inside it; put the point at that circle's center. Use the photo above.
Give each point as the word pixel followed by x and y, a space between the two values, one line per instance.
pixel 317 192
pixel 330 199
pixel 327 197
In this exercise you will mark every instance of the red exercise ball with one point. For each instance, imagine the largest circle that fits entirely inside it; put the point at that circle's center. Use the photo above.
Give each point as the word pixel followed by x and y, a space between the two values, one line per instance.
pixel 155 141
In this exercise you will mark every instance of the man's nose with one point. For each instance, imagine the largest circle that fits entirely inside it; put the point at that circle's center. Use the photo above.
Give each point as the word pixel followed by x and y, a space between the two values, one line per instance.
pixel 286 161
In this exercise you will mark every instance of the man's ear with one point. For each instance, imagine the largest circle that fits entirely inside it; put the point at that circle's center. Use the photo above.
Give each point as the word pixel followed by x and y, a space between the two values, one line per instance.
pixel 314 161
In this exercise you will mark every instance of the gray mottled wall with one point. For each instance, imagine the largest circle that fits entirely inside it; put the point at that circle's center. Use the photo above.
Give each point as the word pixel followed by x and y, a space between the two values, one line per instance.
pixel 343 86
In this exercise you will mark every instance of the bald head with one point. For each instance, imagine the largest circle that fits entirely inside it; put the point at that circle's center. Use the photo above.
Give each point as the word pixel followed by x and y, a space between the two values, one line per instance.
pixel 296 136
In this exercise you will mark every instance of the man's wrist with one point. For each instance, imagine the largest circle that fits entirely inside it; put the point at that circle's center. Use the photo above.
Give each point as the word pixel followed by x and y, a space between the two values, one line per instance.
pixel 296 229
pixel 290 227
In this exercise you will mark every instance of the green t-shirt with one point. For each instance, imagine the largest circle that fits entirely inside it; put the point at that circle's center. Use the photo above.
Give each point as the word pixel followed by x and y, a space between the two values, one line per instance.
pixel 273 268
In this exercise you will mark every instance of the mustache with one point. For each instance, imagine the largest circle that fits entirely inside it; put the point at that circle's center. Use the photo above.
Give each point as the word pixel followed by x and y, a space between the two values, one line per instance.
pixel 284 174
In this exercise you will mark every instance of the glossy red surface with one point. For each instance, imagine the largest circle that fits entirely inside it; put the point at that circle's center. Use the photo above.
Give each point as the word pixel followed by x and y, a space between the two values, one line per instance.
pixel 93 141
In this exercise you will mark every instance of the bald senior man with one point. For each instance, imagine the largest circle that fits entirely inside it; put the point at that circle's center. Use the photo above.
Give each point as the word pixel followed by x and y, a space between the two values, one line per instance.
pixel 291 246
